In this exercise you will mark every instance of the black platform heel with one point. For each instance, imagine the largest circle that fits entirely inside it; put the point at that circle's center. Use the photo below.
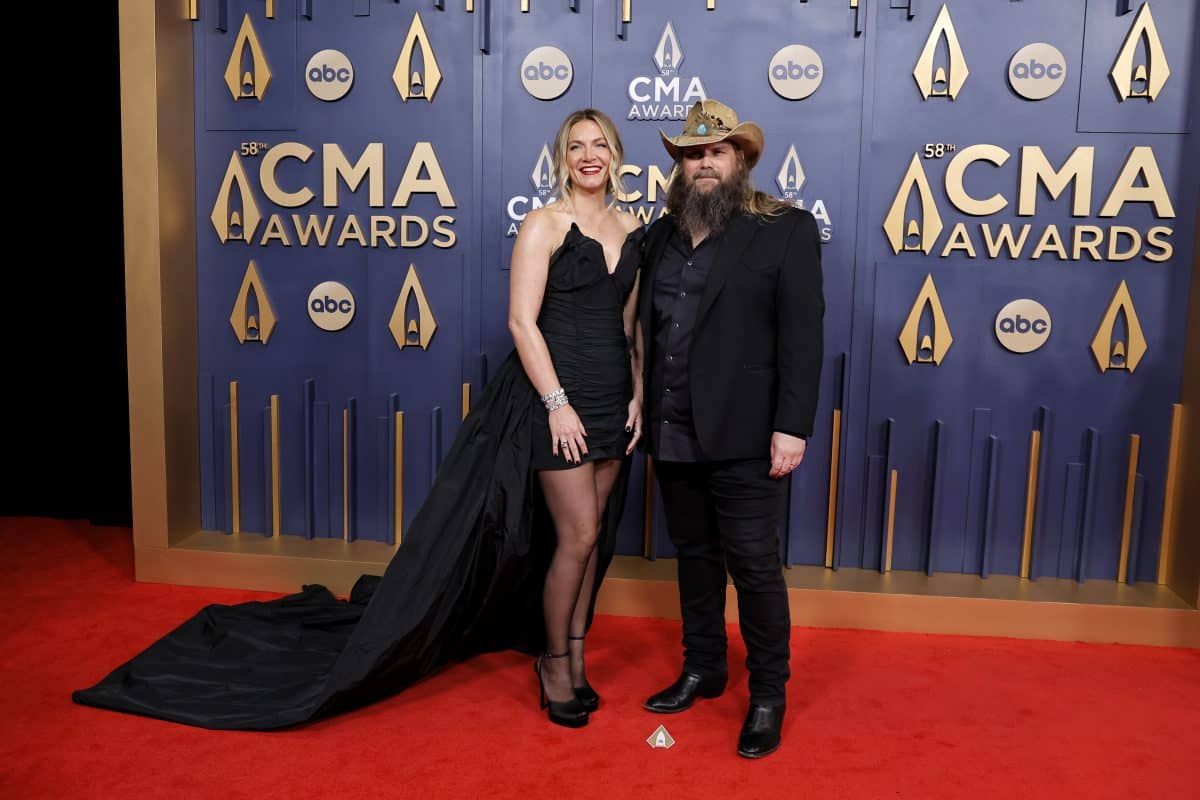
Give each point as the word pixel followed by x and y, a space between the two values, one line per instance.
pixel 585 694
pixel 568 713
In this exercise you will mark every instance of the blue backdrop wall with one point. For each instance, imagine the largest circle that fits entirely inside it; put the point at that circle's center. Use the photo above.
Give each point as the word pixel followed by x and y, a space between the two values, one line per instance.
pixel 958 157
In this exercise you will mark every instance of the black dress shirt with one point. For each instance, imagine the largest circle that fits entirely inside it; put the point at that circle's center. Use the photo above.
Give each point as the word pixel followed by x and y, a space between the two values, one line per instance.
pixel 678 286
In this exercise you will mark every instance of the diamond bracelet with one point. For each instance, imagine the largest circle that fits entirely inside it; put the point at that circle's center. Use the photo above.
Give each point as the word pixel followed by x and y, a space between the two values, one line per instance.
pixel 556 399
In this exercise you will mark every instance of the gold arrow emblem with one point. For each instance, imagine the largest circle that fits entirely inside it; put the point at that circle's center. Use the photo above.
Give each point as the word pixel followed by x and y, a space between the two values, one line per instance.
pixel 941 81
pixel 232 224
pixel 253 319
pixel 411 81
pixel 911 234
pixel 1125 353
pixel 1147 77
pixel 929 348
pixel 245 84
pixel 415 331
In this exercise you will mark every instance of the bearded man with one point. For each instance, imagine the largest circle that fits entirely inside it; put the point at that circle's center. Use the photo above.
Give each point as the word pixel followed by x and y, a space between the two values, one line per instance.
pixel 730 314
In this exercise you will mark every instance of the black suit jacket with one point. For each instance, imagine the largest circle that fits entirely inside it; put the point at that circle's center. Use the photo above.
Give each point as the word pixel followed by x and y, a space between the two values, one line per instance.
pixel 757 348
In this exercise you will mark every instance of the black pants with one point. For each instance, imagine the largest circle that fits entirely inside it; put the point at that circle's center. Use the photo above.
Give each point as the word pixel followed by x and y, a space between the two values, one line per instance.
pixel 725 514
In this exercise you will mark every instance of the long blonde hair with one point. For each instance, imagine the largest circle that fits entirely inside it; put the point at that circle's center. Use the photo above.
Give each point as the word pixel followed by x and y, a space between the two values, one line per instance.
pixel 562 175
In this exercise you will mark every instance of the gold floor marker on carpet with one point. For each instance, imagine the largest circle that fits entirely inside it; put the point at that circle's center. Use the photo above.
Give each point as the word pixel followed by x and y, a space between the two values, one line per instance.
pixel 661 739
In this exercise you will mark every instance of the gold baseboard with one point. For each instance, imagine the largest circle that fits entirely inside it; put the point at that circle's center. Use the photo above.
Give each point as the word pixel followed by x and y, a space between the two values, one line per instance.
pixel 912 602
pixel 945 603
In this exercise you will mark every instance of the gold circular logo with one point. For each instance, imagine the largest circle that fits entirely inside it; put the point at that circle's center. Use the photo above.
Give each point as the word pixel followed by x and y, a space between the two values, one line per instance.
pixel 1023 326
pixel 329 75
pixel 330 306
pixel 1037 71
pixel 795 72
pixel 546 73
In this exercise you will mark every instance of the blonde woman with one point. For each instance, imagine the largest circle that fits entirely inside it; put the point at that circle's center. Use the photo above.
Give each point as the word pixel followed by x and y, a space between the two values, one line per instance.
pixel 571 313
pixel 486 564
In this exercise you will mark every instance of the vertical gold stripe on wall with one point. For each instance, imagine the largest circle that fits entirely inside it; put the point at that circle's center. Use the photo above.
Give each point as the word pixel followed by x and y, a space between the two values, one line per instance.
pixel 466 400
pixel 270 9
pixel 626 10
pixel 346 474
pixel 193 10
pixel 470 6
pixel 398 523
pixel 891 520
pixel 524 6
pixel 835 452
pixel 711 6
pixel 1135 442
pixel 648 509
pixel 235 478
pixel 276 499
pixel 1171 503
pixel 1031 484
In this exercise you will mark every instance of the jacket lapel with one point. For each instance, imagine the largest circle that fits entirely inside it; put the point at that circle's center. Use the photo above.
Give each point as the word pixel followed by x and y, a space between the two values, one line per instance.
pixel 737 238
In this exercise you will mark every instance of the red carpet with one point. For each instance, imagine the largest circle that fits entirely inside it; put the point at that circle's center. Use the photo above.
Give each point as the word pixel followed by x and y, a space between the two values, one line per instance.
pixel 871 715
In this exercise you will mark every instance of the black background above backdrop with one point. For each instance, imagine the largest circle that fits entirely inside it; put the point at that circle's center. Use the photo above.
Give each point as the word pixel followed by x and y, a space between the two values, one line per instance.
pixel 66 387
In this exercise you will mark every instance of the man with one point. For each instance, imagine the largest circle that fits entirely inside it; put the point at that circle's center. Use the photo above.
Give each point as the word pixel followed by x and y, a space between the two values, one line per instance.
pixel 731 311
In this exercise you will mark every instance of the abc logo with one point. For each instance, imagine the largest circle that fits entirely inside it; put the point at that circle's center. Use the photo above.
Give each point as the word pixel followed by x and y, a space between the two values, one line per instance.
pixel 795 72
pixel 546 73
pixel 1037 71
pixel 1023 326
pixel 329 75
pixel 330 306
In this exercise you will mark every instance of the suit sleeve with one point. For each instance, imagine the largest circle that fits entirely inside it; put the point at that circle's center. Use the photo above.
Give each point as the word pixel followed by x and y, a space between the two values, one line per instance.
pixel 800 338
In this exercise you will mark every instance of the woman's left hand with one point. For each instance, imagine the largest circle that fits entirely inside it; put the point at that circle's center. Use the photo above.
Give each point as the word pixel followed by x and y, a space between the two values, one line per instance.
pixel 633 424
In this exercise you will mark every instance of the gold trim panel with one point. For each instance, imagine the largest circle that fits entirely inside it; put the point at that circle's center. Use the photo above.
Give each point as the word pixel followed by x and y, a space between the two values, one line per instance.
pixel 1171 502
pixel 398 523
pixel 835 452
pixel 891 519
pixel 276 495
pixel 1031 485
pixel 1135 442
pixel 345 474
pixel 235 460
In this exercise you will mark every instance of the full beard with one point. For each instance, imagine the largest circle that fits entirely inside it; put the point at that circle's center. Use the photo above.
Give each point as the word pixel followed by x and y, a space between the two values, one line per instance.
pixel 697 211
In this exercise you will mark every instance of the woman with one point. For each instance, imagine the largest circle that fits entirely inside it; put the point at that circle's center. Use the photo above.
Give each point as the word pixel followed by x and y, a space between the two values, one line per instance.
pixel 571 315
pixel 486 563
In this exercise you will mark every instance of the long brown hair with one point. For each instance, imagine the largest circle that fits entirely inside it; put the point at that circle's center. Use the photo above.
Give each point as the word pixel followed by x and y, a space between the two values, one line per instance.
pixel 754 202
pixel 562 175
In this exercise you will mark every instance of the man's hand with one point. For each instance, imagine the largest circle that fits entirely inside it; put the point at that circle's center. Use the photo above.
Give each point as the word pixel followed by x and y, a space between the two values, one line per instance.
pixel 786 453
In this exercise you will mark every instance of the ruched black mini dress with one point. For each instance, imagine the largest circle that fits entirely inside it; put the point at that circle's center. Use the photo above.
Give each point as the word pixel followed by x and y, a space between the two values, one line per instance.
pixel 581 321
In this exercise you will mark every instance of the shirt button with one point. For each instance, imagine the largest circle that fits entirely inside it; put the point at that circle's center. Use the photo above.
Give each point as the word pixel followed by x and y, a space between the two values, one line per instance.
pixel 683 294
pixel 666 422
pixel 670 358
pixel 676 324
pixel 668 390
pixel 689 263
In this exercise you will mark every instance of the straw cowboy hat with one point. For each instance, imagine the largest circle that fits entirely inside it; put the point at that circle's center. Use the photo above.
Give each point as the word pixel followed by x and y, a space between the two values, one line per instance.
pixel 711 121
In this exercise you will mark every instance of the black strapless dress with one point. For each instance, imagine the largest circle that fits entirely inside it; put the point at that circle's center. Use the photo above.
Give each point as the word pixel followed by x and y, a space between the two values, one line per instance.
pixel 469 576
pixel 587 345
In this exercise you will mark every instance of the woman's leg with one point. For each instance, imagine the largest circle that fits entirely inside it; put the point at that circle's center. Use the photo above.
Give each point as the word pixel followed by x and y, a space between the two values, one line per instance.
pixel 606 476
pixel 571 498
